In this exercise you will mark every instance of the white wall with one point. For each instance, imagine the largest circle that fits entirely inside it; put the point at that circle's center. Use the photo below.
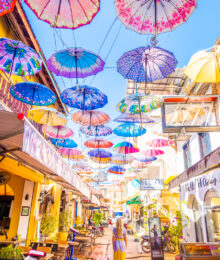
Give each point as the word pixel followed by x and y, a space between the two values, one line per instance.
pixel 195 149
pixel 180 158
pixel 214 140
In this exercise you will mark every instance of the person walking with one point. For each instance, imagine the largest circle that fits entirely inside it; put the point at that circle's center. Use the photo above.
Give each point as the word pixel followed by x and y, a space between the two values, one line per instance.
pixel 119 240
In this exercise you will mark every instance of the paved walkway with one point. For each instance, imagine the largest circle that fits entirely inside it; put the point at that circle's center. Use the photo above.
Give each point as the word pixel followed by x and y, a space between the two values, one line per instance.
pixel 103 249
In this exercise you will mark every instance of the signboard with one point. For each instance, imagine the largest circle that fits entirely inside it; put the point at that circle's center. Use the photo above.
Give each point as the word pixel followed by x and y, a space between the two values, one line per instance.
pixel 156 184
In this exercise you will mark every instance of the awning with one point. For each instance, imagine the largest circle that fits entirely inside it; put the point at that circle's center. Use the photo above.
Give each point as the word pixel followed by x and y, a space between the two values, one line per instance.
pixel 134 201
pixel 20 141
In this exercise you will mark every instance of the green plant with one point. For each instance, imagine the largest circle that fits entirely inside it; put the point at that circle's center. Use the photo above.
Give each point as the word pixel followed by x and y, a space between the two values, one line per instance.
pixel 65 221
pixel 48 225
pixel 11 253
pixel 97 218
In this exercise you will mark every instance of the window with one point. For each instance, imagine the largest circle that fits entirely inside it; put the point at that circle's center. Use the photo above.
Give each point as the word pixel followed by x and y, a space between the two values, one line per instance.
pixel 205 146
pixel 187 156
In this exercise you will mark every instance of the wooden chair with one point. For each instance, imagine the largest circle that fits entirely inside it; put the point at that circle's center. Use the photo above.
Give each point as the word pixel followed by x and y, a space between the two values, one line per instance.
pixel 44 249
pixel 25 249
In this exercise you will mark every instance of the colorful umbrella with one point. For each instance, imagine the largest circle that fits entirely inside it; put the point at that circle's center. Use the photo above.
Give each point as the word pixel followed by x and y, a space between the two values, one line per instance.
pixel 66 143
pixel 129 130
pixel 79 165
pixel 90 118
pixel 100 177
pixel 68 153
pixel 116 169
pixel 84 98
pixel 146 64
pixel 100 153
pixel 134 118
pixel 60 132
pixel 18 59
pixel 98 143
pixel 122 158
pixel 75 63
pixel 47 116
pixel 78 157
pixel 152 152
pixel 204 66
pixel 7 6
pixel 65 14
pixel 140 165
pixel 101 130
pixel 145 158
pixel 154 16
pixel 139 103
pixel 157 143
pixel 101 160
pixel 125 148
pixel 33 93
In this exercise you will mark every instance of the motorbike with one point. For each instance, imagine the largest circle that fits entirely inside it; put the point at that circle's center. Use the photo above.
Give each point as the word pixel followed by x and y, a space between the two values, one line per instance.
pixel 167 243
pixel 145 244
pixel 129 229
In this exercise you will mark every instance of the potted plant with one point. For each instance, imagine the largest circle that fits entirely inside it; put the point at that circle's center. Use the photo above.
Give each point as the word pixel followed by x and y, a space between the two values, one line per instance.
pixel 65 222
pixel 97 218
pixel 10 253
pixel 48 225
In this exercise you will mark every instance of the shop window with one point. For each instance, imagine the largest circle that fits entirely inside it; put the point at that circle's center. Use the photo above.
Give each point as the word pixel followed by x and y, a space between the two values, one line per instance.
pixel 212 214
pixel 187 156
pixel 205 146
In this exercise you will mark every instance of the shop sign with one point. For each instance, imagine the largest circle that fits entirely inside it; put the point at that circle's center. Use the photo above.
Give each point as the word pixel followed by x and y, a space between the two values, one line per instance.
pixel 155 184
pixel 201 182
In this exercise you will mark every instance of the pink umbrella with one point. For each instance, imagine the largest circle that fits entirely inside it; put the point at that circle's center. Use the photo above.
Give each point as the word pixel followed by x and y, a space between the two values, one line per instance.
pixel 139 165
pixel 69 152
pixel 152 152
pixel 156 143
pixel 98 143
pixel 90 118
pixel 59 132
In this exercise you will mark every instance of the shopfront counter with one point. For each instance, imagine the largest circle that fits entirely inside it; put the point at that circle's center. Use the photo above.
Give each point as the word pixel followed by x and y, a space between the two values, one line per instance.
pixel 203 251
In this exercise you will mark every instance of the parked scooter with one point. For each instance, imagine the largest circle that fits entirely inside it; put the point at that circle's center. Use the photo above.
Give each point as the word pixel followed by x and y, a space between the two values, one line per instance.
pixel 145 244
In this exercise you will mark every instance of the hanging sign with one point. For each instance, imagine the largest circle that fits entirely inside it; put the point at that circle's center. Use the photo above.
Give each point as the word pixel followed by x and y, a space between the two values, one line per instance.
pixel 155 184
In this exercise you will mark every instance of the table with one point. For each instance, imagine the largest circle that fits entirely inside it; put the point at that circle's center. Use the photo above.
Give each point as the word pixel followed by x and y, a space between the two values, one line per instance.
pixel 48 256
pixel 13 243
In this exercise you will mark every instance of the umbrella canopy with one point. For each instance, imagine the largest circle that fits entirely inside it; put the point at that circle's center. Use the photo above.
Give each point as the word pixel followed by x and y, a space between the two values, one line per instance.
pixel 47 116
pixel 152 152
pixel 7 6
pixel 84 98
pixel 18 59
pixel 100 177
pixel 101 130
pixel 79 165
pixel 134 118
pixel 90 118
pixel 134 201
pixel 59 131
pixel 140 165
pixel 154 16
pixel 101 160
pixel 116 169
pixel 122 158
pixel 129 130
pixel 139 103
pixel 145 158
pixel 66 143
pixel 65 14
pixel 33 93
pixel 68 153
pixel 78 157
pixel 75 63
pixel 182 114
pixel 204 66
pixel 157 143
pixel 100 153
pixel 125 148
pixel 98 143
pixel 146 64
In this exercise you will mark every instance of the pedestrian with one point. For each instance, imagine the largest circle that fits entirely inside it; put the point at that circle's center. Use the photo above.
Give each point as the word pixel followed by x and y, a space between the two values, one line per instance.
pixel 119 240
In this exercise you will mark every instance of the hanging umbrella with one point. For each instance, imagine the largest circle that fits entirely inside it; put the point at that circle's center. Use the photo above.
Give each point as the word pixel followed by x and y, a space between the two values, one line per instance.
pixel 100 153
pixel 125 148
pixel 59 131
pixel 101 160
pixel 139 103
pixel 101 130
pixel 18 59
pixel 157 143
pixel 204 66
pixel 122 159
pixel 98 143
pixel 7 6
pixel 75 63
pixel 33 93
pixel 129 130
pixel 116 169
pixel 90 118
pixel 79 165
pixel 134 118
pixel 144 158
pixel 66 143
pixel 68 153
pixel 100 177
pixel 154 16
pixel 84 98
pixel 78 157
pixel 140 165
pixel 146 64
pixel 152 152
pixel 182 114
pixel 65 14
pixel 47 116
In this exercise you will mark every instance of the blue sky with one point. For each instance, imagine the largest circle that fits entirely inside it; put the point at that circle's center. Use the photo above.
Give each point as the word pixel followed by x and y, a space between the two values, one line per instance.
pixel 200 32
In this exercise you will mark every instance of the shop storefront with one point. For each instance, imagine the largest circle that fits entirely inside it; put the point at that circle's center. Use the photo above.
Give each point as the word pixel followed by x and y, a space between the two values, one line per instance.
pixel 202 195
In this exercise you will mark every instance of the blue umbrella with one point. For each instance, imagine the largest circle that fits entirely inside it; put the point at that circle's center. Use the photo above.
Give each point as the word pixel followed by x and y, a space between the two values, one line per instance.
pixel 101 130
pixel 116 169
pixel 134 118
pixel 142 158
pixel 129 130
pixel 33 93
pixel 99 153
pixel 146 64
pixel 67 143
pixel 84 98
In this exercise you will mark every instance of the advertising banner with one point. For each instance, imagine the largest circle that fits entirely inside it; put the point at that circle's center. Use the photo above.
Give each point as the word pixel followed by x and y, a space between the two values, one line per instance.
pixel 148 184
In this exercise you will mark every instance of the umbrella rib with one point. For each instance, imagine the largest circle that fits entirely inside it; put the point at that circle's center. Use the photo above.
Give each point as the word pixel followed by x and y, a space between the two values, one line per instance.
pixel 44 8
pixel 82 8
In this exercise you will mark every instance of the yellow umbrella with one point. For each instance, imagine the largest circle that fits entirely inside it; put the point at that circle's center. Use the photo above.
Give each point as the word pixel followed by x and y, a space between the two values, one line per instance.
pixel 204 67
pixel 47 116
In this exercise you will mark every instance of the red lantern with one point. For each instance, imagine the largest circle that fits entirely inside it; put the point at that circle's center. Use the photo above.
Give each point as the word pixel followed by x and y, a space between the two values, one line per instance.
pixel 20 116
